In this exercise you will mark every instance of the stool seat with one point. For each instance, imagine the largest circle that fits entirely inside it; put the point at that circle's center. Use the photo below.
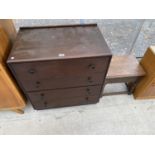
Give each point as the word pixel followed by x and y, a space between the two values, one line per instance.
pixel 125 69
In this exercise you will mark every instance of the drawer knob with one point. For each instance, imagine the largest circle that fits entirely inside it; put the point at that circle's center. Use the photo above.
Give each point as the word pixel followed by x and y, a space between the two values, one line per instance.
pixel 31 71
pixel 88 90
pixel 45 104
pixel 42 95
pixel 90 79
pixel 87 98
pixel 37 84
pixel 92 66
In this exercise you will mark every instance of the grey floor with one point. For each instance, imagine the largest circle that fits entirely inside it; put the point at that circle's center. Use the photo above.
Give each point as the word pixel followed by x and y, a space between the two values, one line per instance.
pixel 113 114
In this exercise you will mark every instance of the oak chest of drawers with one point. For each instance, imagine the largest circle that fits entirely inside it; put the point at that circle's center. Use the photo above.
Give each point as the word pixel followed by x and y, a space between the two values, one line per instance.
pixel 60 66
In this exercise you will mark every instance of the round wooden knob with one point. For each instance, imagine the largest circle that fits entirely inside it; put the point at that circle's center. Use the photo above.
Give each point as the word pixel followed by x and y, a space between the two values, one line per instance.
pixel 88 90
pixel 37 84
pixel 31 71
pixel 45 104
pixel 91 66
pixel 90 79
pixel 87 98
pixel 42 95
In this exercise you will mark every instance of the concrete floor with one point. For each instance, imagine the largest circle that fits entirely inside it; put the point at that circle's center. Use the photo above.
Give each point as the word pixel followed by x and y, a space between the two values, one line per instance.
pixel 113 114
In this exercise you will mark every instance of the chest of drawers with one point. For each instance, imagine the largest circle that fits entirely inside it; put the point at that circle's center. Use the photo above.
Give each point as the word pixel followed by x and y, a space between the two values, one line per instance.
pixel 60 66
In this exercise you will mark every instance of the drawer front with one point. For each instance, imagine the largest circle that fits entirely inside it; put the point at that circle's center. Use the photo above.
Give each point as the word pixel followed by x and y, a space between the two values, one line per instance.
pixel 65 102
pixel 60 74
pixel 64 97
pixel 64 82
pixel 61 68
pixel 65 93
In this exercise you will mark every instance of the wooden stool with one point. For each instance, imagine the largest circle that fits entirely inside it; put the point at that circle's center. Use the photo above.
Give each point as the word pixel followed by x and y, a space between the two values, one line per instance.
pixel 11 97
pixel 124 69
pixel 146 87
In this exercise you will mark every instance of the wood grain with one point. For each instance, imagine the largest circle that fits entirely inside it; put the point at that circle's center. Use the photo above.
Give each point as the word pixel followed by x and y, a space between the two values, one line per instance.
pixel 4 44
pixel 62 42
pixel 35 76
pixel 59 61
pixel 125 69
pixel 11 97
pixel 146 87
pixel 59 97
pixel 124 66
pixel 9 28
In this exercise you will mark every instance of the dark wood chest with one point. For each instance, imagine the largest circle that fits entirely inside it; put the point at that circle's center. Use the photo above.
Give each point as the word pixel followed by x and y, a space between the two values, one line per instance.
pixel 60 66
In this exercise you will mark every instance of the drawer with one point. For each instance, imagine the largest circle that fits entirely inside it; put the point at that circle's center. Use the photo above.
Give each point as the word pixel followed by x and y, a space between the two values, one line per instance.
pixel 64 82
pixel 60 68
pixel 65 93
pixel 60 74
pixel 73 101
pixel 64 97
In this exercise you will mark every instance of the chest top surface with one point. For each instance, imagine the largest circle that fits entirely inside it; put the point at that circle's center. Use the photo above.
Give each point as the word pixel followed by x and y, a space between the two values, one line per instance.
pixel 58 42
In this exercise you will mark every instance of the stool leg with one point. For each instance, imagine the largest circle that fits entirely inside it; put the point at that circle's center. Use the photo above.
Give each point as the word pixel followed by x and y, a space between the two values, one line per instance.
pixel 131 87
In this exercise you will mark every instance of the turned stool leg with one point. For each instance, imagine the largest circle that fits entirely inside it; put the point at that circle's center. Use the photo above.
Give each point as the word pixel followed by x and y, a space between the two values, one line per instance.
pixel 131 87
pixel 19 111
